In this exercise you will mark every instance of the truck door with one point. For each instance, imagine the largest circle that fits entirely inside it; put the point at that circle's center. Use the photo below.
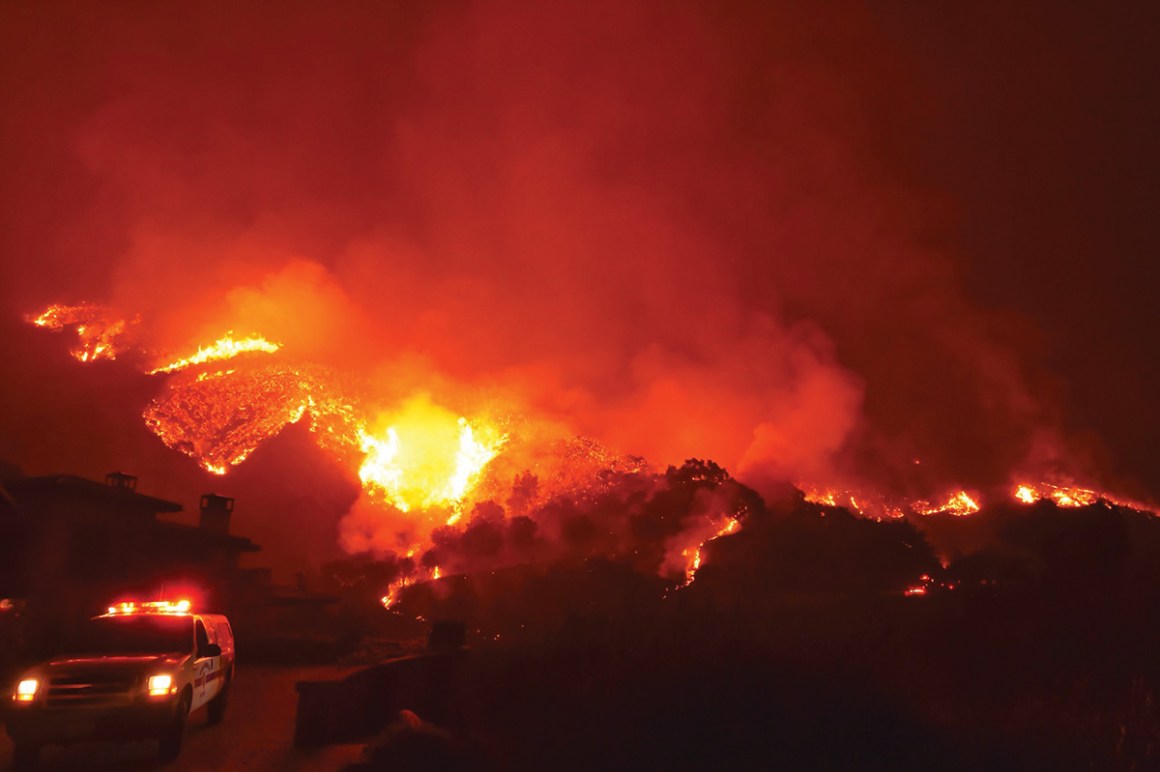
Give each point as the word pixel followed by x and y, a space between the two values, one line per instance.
pixel 204 669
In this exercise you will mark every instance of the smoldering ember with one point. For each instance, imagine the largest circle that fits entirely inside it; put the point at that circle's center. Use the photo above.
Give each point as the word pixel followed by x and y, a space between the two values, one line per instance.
pixel 603 386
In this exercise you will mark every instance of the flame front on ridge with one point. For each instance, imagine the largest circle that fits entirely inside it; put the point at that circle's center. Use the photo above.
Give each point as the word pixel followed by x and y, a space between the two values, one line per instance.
pixel 694 556
pixel 962 503
pixel 225 347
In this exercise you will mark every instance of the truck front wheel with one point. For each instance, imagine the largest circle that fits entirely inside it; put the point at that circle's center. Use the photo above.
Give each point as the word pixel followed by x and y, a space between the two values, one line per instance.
pixel 25 756
pixel 169 744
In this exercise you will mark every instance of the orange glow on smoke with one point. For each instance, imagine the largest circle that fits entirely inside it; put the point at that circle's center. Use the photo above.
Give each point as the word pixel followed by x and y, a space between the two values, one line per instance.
pixel 97 328
pixel 225 347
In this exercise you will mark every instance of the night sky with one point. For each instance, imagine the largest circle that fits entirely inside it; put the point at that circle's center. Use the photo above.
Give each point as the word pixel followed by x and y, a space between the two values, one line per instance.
pixel 812 241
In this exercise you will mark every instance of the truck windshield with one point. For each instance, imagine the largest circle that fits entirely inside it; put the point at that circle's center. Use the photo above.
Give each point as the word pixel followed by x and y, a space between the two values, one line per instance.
pixel 132 635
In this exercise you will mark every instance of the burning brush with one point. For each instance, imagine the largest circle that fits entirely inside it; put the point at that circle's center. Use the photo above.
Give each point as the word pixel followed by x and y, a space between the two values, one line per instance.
pixel 422 464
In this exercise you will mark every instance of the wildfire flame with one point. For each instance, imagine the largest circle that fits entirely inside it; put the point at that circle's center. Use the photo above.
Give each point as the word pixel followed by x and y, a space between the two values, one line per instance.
pixel 959 504
pixel 220 418
pixel 396 587
pixel 731 526
pixel 225 347
pixel 869 505
pixel 1073 496
pixel 1026 494
pixel 926 583
pixel 427 459
pixel 97 328
pixel 436 466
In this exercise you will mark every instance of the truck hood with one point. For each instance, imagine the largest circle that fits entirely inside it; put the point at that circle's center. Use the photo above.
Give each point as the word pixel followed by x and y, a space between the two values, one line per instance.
pixel 111 663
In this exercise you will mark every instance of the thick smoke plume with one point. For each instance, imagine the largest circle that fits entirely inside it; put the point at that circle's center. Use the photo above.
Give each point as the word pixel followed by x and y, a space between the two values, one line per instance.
pixel 653 225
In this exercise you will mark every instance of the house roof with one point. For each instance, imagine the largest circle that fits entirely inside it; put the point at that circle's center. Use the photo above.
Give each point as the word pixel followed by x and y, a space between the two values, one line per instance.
pixel 209 538
pixel 26 488
pixel 35 494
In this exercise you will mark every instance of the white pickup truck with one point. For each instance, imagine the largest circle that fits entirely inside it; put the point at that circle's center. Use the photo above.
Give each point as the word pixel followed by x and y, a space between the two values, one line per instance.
pixel 136 672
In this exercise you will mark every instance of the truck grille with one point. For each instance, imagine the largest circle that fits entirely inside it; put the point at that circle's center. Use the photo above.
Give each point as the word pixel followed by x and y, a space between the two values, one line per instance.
pixel 89 689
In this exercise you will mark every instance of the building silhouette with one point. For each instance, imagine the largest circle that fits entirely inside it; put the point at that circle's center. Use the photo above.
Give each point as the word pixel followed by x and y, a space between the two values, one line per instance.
pixel 70 546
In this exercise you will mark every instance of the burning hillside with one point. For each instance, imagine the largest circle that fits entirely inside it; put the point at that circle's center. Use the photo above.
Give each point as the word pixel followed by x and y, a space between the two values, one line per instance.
pixel 448 496
pixel 98 330
pixel 436 484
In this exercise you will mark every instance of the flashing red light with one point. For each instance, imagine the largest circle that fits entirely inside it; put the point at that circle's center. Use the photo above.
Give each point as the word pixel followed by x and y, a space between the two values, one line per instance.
pixel 129 608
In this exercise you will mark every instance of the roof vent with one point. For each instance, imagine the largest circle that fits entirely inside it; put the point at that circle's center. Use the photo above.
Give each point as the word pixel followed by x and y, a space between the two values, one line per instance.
pixel 121 480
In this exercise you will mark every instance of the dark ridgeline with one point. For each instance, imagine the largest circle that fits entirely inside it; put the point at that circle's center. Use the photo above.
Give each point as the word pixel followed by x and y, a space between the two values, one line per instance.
pixel 796 646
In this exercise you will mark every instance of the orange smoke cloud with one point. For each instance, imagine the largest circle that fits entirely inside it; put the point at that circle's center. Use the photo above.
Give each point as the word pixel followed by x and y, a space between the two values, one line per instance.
pixel 661 228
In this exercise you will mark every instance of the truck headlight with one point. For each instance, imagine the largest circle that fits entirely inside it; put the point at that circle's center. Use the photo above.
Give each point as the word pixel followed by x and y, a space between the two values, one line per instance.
pixel 26 690
pixel 160 684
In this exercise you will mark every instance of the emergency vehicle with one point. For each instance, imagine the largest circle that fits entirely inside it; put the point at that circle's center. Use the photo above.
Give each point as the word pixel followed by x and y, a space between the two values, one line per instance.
pixel 135 672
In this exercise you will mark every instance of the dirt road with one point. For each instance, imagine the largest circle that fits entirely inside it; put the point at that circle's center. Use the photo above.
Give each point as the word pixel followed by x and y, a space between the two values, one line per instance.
pixel 257 734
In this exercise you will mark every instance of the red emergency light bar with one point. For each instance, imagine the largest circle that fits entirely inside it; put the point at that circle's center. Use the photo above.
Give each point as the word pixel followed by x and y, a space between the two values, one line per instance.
pixel 129 608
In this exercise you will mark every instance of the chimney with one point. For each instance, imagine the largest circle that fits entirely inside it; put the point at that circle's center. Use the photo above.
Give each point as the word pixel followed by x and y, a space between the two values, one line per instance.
pixel 215 513
pixel 121 480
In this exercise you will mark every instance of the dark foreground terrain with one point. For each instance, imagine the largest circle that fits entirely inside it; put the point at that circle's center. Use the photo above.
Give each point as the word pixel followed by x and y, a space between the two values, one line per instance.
pixel 257 734
pixel 948 681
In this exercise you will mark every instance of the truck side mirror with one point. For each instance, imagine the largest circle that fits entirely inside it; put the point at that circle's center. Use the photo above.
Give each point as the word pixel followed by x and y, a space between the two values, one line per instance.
pixel 210 650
